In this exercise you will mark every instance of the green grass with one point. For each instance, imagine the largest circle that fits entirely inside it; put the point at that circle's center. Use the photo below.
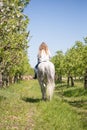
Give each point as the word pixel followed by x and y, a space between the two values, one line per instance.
pixel 21 108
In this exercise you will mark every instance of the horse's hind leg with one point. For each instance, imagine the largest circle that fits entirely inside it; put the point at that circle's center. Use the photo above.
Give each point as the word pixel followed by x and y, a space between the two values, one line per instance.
pixel 42 85
pixel 43 90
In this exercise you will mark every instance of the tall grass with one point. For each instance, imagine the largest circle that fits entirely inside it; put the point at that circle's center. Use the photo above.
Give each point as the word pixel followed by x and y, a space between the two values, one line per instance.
pixel 21 108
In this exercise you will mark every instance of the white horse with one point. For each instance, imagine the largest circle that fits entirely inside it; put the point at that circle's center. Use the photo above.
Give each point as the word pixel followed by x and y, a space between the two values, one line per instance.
pixel 46 75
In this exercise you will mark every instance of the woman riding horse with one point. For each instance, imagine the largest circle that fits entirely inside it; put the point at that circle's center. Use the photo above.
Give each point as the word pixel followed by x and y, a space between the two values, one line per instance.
pixel 45 71
pixel 43 56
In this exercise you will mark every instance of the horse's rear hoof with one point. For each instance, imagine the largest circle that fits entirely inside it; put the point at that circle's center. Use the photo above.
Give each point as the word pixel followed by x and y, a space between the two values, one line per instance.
pixel 44 99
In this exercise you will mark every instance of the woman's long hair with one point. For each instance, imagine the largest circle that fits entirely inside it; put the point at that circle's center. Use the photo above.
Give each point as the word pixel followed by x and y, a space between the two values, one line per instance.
pixel 44 47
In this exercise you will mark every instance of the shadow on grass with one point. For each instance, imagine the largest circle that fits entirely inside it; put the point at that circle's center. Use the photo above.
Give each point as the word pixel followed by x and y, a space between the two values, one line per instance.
pixel 79 104
pixel 59 86
pixel 2 98
pixel 31 100
pixel 76 92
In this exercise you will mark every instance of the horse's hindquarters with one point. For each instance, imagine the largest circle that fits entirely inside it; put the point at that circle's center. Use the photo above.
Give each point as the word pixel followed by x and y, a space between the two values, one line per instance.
pixel 46 74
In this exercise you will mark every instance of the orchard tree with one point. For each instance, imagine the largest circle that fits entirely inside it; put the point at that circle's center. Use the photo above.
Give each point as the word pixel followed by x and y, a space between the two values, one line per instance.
pixel 69 65
pixel 73 61
pixel 79 50
pixel 13 35
pixel 85 54
pixel 58 61
pixel 85 63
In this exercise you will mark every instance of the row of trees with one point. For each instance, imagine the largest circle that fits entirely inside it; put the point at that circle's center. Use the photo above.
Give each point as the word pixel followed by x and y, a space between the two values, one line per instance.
pixel 73 63
pixel 14 39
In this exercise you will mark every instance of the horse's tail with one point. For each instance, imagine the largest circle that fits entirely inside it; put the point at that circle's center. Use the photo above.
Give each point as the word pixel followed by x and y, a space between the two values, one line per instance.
pixel 50 89
pixel 51 82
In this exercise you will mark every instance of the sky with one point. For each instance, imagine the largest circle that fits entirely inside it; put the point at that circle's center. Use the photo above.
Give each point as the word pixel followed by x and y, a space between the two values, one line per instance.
pixel 58 23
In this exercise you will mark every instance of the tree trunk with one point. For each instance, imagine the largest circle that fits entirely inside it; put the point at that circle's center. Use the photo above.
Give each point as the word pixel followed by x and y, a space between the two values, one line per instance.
pixel 68 81
pixel 15 78
pixel 85 80
pixel 5 79
pixel 0 80
pixel 59 78
pixel 72 81
pixel 70 78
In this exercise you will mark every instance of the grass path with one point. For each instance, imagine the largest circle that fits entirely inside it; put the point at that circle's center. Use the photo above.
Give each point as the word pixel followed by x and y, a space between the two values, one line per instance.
pixel 21 108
